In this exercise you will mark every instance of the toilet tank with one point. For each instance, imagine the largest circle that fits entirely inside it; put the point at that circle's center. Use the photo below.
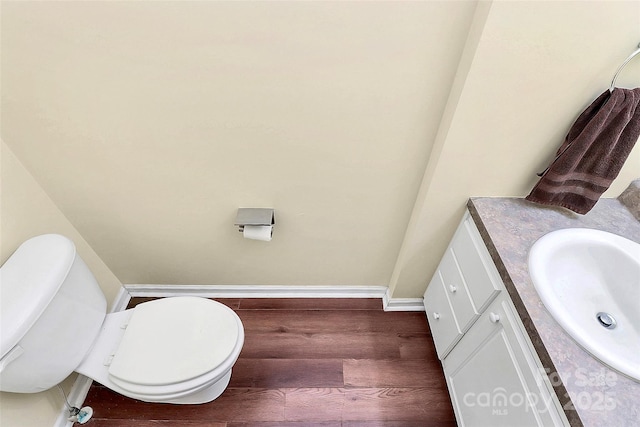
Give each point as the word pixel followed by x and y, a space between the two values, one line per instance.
pixel 51 311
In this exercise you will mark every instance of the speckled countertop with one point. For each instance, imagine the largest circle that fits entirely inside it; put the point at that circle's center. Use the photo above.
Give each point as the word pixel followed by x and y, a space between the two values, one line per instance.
pixel 591 393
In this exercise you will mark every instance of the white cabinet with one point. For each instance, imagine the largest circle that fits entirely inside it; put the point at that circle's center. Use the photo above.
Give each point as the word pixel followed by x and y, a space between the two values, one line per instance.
pixel 492 377
pixel 493 373
pixel 464 284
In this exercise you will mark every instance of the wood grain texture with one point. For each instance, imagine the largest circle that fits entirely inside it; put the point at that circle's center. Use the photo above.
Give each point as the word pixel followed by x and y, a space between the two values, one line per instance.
pixel 315 404
pixel 311 363
pixel 406 423
pixel 391 373
pixel 241 404
pixel 396 404
pixel 287 424
pixel 323 345
pixel 276 373
pixel 154 423
pixel 319 321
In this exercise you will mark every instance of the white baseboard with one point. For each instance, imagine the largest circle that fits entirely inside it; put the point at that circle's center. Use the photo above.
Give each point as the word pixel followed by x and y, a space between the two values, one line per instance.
pixel 401 304
pixel 265 291
pixel 257 291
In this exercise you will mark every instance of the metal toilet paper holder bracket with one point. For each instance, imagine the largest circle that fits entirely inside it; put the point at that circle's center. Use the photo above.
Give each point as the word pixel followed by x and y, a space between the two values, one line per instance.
pixel 254 216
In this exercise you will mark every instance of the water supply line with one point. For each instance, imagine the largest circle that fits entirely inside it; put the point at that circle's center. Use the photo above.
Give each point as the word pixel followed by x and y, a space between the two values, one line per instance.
pixel 79 415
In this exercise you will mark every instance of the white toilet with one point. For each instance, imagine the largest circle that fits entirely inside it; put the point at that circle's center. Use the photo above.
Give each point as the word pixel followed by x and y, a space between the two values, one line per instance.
pixel 53 322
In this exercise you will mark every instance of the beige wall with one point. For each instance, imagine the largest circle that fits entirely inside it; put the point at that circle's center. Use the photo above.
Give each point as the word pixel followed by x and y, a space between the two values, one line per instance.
pixel 150 123
pixel 529 69
pixel 27 211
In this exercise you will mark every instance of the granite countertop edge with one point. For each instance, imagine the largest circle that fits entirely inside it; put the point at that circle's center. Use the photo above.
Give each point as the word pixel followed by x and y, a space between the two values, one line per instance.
pixel 509 226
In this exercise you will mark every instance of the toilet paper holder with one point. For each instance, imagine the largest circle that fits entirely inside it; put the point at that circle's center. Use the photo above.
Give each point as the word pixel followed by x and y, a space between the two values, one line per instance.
pixel 254 216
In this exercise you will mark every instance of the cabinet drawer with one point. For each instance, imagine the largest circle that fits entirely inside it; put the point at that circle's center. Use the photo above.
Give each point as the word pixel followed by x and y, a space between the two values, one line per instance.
pixel 444 328
pixel 476 265
pixel 457 291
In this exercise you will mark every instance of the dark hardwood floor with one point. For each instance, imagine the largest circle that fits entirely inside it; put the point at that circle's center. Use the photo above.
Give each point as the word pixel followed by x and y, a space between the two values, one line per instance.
pixel 311 362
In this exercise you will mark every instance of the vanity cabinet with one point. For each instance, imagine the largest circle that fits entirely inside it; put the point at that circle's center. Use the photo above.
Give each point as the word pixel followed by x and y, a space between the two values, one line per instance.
pixel 493 374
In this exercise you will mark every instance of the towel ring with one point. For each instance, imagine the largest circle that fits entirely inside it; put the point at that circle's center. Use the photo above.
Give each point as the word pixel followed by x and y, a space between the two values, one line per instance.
pixel 626 61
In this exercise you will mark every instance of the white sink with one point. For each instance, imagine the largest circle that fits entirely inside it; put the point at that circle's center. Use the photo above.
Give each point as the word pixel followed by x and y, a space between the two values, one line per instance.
pixel 589 280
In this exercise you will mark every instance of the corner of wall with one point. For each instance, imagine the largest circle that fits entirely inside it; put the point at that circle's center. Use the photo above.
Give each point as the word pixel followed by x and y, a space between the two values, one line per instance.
pixel 400 284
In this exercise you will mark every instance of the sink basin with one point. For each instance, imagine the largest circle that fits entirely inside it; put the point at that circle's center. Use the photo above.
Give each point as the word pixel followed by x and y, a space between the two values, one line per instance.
pixel 589 280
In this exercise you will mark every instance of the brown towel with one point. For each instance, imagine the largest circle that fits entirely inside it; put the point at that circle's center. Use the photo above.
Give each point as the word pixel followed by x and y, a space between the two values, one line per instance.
pixel 593 152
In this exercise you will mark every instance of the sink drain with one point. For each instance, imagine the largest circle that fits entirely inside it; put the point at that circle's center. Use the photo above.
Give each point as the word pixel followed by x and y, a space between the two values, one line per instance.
pixel 606 320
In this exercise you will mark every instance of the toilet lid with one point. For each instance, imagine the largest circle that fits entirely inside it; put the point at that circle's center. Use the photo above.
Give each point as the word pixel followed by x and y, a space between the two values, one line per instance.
pixel 172 340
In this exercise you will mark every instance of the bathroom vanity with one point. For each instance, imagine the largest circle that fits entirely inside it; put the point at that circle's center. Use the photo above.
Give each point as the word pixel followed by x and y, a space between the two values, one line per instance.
pixel 506 360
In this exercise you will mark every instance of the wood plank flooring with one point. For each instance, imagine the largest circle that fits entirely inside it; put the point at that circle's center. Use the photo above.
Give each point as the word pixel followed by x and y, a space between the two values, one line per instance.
pixel 312 363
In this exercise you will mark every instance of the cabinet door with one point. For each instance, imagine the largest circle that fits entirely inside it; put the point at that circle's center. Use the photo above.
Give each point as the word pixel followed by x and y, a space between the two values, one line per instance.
pixel 491 380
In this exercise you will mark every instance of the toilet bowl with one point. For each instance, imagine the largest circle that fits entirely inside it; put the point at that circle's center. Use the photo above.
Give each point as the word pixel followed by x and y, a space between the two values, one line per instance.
pixel 173 350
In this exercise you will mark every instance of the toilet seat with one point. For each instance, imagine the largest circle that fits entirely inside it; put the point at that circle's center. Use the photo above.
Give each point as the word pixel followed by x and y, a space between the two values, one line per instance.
pixel 175 345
